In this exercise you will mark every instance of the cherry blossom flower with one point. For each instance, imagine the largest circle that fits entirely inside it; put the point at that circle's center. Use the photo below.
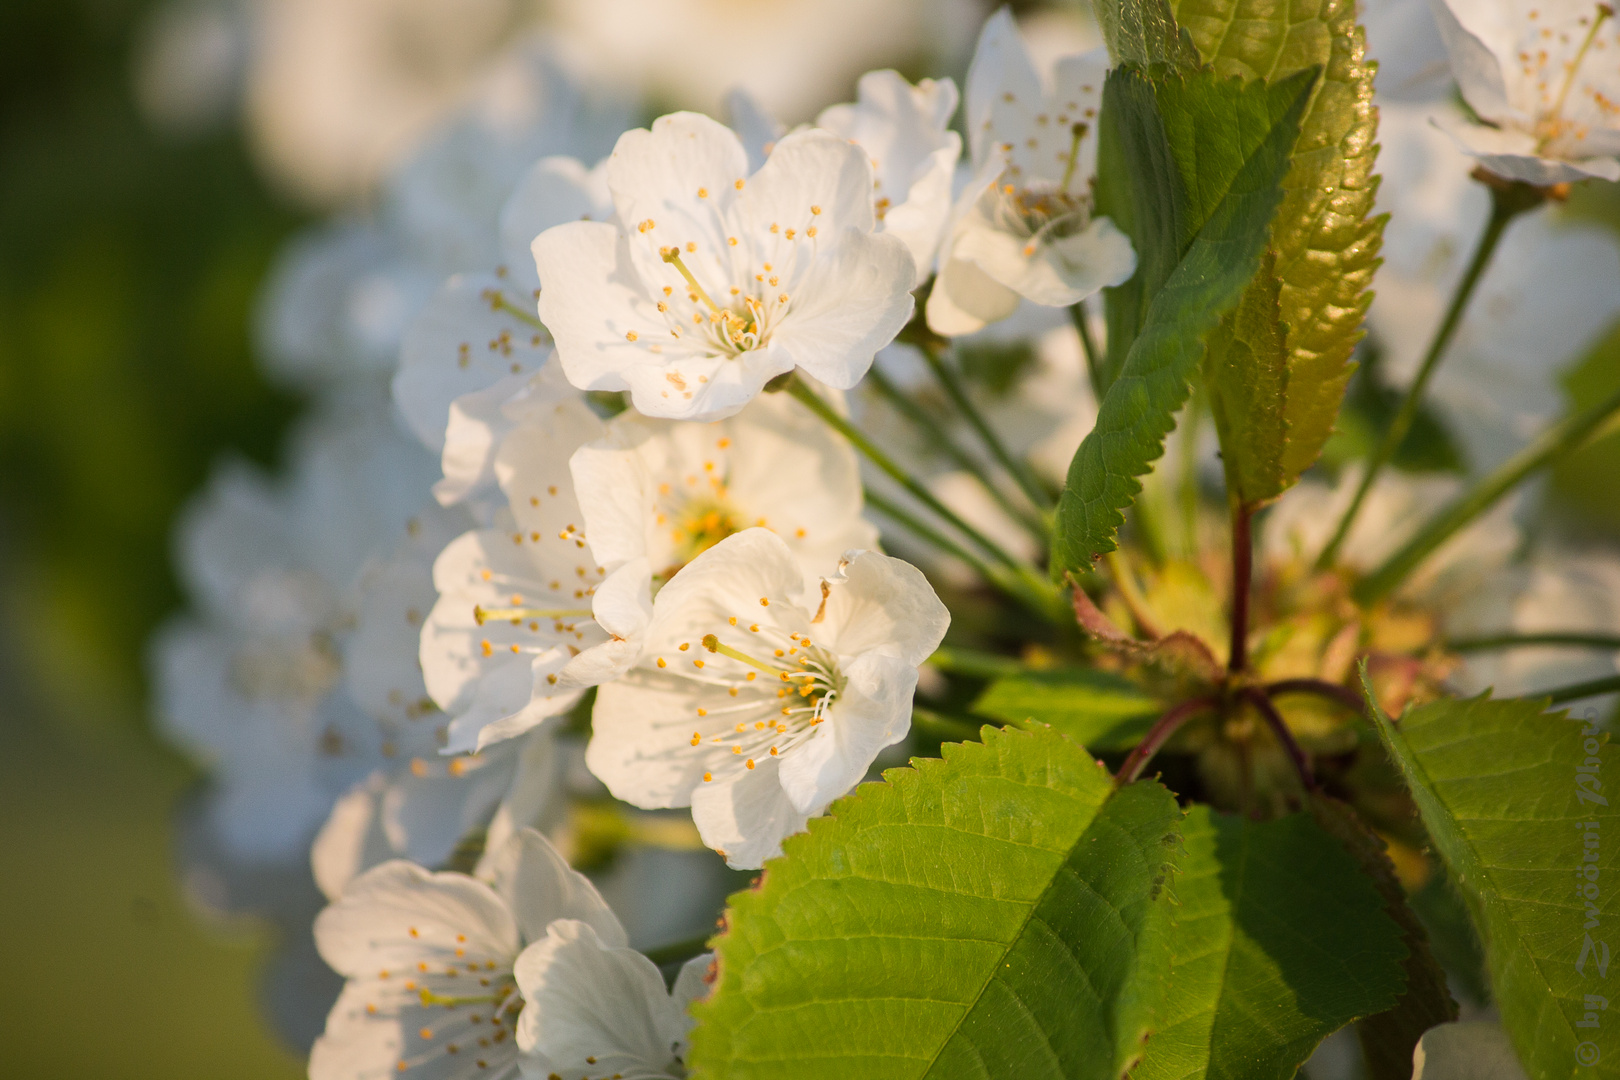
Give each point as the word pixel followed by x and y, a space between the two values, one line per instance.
pixel 711 282
pixel 904 129
pixel 755 706
pixel 593 1008
pixel 1543 76
pixel 1023 227
pixel 515 600
pixel 429 959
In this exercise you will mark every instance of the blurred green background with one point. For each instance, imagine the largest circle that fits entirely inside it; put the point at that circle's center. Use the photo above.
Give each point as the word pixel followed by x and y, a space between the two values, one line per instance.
pixel 128 269
pixel 129 266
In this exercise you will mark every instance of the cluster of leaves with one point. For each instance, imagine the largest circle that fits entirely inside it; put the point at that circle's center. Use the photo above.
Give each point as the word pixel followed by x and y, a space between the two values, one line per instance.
pixel 1013 908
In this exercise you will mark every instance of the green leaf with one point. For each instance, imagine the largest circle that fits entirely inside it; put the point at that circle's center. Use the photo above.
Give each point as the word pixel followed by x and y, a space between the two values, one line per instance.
pixel 1277 940
pixel 1587 482
pixel 1325 244
pixel 976 916
pixel 1246 371
pixel 1098 709
pixel 1144 32
pixel 1389 1038
pixel 1206 156
pixel 1501 789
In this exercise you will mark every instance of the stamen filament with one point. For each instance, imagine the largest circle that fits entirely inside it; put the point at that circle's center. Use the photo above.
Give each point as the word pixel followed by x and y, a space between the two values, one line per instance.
pixel 713 644
pixel 673 257
pixel 482 613
pixel 1074 155
pixel 1604 11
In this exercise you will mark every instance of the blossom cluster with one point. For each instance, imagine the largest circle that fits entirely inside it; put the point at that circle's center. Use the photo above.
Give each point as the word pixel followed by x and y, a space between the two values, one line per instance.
pixel 574 560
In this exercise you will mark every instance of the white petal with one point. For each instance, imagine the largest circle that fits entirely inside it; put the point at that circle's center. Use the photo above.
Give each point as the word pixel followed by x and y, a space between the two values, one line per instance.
pixel 591 298
pixel 747 817
pixel 884 605
pixel 1477 68
pixel 462 342
pixel 810 168
pixel 477 423
pixel 692 983
pixel 1055 273
pixel 1512 155
pixel 872 711
pixel 535 796
pixel 616 494
pixel 919 220
pixel 593 1008
pixel 539 886
pixel 850 303
pixel 964 299
pixel 352 839
pixel 554 190
pixel 369 928
pixel 623 608
pixel 1001 66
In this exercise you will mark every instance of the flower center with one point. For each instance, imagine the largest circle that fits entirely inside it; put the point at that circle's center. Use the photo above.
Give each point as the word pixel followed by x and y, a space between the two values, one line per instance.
pixel 701 524
pixel 1552 125
pixel 1042 210
pixel 742 323
pixel 782 685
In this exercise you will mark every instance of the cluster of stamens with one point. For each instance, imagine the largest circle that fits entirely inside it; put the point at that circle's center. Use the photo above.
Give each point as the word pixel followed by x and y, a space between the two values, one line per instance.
pixel 1552 125
pixel 1041 209
pixel 480 1002
pixel 783 683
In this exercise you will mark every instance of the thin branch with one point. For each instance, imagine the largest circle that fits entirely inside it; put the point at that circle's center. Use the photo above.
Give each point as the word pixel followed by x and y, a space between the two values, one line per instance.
pixel 1566 435
pixel 1514 641
pixel 812 401
pixel 1088 345
pixel 1017 469
pixel 1279 728
pixel 1016 588
pixel 1321 688
pixel 959 661
pixel 1159 734
pixel 1242 585
pixel 931 430
pixel 1575 691
pixel 1507 203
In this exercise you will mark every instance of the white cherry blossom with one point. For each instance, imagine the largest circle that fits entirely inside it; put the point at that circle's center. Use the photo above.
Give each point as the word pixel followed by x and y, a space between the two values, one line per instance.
pixel 756 705
pixel 429 960
pixel 515 600
pixel 1544 77
pixel 656 494
pixel 593 1008
pixel 905 130
pixel 712 282
pixel 1023 227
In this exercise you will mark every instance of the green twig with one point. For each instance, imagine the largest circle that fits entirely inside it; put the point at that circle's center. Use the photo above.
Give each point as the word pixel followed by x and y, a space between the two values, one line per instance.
pixel 931 430
pixel 1088 345
pixel 959 661
pixel 1026 479
pixel 1575 691
pixel 1038 601
pixel 1563 437
pixel 1508 201
pixel 1513 641
pixel 812 401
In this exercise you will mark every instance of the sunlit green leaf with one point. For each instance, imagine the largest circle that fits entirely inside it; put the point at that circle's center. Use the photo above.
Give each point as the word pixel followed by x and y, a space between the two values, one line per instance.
pixel 976 916
pixel 1513 799
pixel 1325 244
pixel 1100 710
pixel 1277 939
pixel 1206 157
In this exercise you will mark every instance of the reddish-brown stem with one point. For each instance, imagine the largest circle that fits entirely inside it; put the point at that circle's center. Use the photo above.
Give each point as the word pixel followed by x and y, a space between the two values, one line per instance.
pixel 1341 694
pixel 1158 735
pixel 1242 572
pixel 1279 728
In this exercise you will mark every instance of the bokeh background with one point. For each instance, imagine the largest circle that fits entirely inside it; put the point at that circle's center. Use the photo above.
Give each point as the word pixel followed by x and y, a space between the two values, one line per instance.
pixel 151 164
